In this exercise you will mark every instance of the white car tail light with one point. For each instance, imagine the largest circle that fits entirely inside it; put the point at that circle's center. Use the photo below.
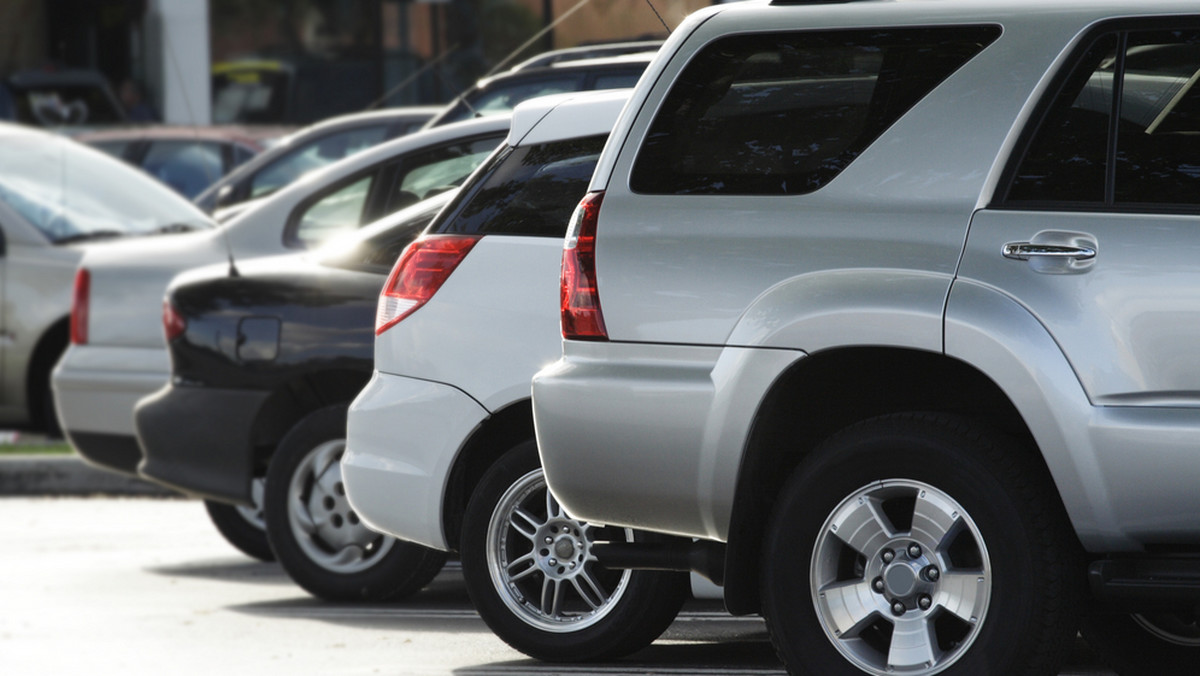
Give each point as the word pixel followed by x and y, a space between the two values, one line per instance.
pixel 582 318
pixel 79 306
pixel 418 274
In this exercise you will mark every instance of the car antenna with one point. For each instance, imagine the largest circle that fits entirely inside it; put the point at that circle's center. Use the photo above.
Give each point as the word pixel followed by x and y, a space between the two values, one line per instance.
pixel 223 232
pixel 537 36
pixel 660 19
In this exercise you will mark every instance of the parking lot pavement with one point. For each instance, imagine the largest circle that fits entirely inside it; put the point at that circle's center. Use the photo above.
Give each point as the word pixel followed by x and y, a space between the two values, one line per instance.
pixel 140 586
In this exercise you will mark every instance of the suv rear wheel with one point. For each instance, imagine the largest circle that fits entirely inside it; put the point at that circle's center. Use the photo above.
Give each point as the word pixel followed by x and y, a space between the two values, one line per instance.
pixel 533 579
pixel 919 544
pixel 318 538
pixel 243 527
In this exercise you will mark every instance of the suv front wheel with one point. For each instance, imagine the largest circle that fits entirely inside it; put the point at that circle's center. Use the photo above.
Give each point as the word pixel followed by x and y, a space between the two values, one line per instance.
pixel 919 544
pixel 533 579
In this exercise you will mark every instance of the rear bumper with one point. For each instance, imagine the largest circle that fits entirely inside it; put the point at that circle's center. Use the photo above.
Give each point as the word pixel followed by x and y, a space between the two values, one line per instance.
pixel 651 436
pixel 402 437
pixel 95 390
pixel 197 440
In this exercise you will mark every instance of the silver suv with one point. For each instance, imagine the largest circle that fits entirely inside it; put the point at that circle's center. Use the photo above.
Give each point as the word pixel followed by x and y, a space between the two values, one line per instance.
pixel 892 310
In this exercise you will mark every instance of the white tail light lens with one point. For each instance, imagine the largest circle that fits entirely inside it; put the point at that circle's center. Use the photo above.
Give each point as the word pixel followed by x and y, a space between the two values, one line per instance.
pixel 418 274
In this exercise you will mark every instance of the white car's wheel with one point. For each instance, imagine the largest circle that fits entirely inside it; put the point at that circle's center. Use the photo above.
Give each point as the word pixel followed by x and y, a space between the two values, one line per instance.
pixel 533 578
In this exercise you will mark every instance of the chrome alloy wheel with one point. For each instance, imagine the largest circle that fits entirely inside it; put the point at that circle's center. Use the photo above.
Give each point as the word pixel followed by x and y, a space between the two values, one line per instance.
pixel 541 564
pixel 326 528
pixel 900 578
pixel 254 513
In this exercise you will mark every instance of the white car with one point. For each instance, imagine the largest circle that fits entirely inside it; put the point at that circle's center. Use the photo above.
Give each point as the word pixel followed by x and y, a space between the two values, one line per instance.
pixel 440 447
pixel 59 199
pixel 118 353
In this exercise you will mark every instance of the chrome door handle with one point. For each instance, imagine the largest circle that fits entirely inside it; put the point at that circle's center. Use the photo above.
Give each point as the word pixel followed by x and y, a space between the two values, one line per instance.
pixel 1023 251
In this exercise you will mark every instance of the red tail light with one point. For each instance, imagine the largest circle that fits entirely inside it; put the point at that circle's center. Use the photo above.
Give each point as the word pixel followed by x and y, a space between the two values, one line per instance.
pixel 79 307
pixel 418 274
pixel 582 318
pixel 173 323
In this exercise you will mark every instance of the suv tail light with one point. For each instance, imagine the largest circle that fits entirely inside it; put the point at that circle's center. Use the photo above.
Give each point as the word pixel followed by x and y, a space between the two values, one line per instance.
pixel 582 318
pixel 79 306
pixel 173 323
pixel 418 274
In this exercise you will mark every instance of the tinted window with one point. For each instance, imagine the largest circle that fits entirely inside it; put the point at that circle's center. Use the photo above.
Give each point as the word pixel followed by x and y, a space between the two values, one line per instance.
pixel 1145 80
pixel 438 170
pixel 336 212
pixel 317 154
pixel 783 113
pixel 530 191
pixel 187 166
pixel 376 247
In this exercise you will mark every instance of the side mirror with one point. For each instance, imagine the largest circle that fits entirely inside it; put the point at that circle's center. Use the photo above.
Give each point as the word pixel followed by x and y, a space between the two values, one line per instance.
pixel 224 195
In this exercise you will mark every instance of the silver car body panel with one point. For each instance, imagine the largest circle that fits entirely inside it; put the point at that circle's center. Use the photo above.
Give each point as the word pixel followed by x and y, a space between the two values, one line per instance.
pixel 871 259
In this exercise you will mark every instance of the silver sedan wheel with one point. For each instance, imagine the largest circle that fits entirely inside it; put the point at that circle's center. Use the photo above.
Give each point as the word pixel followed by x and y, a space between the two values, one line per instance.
pixel 324 526
pixel 254 513
pixel 901 579
pixel 540 561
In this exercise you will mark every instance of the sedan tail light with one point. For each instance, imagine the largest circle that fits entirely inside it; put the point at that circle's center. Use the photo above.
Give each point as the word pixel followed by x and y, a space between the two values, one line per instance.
pixel 173 323
pixel 418 274
pixel 582 318
pixel 79 307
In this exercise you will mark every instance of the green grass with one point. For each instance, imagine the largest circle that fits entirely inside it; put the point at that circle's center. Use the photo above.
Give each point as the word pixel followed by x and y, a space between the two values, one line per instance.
pixel 39 447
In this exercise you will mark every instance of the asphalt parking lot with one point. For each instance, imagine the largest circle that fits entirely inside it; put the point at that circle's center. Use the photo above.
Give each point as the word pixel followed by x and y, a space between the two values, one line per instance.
pixel 128 583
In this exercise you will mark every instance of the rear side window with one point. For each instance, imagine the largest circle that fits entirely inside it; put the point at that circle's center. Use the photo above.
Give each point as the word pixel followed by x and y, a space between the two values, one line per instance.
pixel 529 191
pixel 1124 129
pixel 784 113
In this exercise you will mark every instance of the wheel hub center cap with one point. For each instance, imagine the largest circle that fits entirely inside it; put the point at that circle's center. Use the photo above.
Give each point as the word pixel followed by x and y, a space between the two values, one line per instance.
pixel 901 580
pixel 564 548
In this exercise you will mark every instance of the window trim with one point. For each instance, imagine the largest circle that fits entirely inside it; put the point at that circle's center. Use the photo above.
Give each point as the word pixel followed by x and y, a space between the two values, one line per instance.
pixel 1000 200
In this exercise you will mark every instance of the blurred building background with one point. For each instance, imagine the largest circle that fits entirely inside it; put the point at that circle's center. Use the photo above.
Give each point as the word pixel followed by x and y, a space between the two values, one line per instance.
pixel 297 61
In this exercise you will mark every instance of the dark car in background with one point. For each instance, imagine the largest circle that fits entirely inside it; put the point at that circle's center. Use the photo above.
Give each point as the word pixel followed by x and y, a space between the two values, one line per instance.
pixel 501 93
pixel 54 98
pixel 310 148
pixel 272 356
pixel 189 159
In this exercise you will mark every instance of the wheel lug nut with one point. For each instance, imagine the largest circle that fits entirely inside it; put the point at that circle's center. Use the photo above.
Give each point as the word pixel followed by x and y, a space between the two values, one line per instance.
pixel 925 601
pixel 553 562
pixel 877 585
pixel 914 551
pixel 566 529
pixel 888 556
pixel 549 540
pixel 572 565
pixel 932 573
pixel 898 608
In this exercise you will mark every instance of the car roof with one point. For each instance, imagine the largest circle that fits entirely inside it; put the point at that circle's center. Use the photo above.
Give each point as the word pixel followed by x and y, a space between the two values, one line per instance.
pixel 564 116
pixel 255 135
pixel 587 52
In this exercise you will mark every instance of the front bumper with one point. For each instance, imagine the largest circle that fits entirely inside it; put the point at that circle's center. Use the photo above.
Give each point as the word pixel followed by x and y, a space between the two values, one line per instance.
pixel 95 390
pixel 197 440
pixel 402 437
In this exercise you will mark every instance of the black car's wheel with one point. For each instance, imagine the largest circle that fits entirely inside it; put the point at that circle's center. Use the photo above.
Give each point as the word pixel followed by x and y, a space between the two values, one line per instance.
pixel 919 544
pixel 318 538
pixel 243 527
pixel 1160 644
pixel 530 573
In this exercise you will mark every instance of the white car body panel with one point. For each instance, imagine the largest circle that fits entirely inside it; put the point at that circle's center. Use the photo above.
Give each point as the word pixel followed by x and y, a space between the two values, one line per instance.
pixel 128 285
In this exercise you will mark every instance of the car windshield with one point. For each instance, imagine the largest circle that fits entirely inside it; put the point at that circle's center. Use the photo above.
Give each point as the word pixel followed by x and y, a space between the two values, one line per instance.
pixel 71 193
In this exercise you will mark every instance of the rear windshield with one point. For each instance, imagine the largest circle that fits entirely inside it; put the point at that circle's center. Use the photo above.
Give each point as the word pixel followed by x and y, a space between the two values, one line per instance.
pixel 530 190
pixel 784 113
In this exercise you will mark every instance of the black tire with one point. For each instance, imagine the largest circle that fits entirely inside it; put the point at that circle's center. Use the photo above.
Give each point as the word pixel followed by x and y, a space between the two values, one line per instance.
pixel 1152 644
pixel 626 619
pixel 333 556
pixel 990 540
pixel 246 536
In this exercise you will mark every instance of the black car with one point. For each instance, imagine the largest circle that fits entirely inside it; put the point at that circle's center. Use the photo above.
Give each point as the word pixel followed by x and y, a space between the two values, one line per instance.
pixel 266 356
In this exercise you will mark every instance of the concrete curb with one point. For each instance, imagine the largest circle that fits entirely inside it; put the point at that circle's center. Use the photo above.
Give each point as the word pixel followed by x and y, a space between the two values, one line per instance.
pixel 68 475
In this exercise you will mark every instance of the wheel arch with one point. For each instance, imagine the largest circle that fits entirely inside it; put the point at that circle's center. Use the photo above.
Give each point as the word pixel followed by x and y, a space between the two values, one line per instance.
pixel 295 398
pixel 46 353
pixel 498 433
pixel 833 389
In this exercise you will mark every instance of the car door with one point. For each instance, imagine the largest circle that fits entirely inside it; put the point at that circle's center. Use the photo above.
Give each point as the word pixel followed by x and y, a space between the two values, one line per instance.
pixel 1095 228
